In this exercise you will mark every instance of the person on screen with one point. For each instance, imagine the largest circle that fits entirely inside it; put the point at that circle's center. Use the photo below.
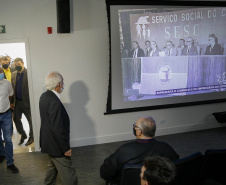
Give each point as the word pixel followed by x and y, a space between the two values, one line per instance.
pixel 171 50
pixel 135 151
pixel 213 48
pixel 157 171
pixel 136 51
pixel 182 48
pixel 148 49
pixel 192 49
pixel 155 49
pixel 123 52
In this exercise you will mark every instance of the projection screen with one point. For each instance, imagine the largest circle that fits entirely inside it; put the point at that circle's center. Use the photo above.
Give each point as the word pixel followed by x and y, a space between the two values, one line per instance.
pixel 166 54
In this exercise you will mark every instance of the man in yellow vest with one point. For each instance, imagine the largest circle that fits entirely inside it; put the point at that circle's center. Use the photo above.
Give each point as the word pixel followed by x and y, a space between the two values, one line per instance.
pixel 5 62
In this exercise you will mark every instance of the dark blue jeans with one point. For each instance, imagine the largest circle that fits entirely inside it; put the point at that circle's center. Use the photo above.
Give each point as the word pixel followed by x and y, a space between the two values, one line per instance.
pixel 6 126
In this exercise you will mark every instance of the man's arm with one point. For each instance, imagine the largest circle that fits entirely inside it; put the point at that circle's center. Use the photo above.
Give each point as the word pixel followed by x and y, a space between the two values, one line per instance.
pixel 108 169
pixel 11 104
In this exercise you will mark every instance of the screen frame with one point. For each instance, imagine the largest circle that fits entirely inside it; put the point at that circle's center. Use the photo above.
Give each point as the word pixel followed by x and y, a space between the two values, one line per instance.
pixel 109 3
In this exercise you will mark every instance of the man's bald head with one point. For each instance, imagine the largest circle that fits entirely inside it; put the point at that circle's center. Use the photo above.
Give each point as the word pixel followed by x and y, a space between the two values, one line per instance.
pixel 148 126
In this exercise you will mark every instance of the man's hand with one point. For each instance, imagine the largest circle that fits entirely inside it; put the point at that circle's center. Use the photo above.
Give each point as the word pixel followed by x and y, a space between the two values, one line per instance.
pixel 12 106
pixel 68 153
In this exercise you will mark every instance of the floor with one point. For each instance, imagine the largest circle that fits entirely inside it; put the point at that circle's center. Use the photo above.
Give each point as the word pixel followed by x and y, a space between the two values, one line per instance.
pixel 16 138
pixel 88 159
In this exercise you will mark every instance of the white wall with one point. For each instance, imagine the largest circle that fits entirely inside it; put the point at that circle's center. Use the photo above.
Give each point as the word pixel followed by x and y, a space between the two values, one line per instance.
pixel 82 57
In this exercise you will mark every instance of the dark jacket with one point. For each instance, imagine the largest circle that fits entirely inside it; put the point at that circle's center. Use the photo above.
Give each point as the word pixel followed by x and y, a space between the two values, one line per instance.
pixel 140 53
pixel 193 50
pixel 55 125
pixel 216 50
pixel 25 89
pixel 134 152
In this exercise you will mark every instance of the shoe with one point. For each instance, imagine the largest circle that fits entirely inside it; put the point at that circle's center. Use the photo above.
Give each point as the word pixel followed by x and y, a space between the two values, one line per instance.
pixel 30 141
pixel 2 158
pixel 13 168
pixel 22 139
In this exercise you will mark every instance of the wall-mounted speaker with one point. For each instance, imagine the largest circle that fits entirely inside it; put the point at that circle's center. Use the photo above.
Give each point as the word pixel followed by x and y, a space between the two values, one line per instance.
pixel 63 16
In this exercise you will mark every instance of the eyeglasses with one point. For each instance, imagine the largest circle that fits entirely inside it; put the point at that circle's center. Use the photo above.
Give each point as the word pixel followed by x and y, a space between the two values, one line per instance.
pixel 134 126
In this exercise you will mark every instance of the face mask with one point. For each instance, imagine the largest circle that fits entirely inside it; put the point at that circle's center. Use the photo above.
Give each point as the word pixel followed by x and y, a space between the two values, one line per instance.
pixel 18 68
pixel 1 76
pixel 62 88
pixel 134 131
pixel 5 66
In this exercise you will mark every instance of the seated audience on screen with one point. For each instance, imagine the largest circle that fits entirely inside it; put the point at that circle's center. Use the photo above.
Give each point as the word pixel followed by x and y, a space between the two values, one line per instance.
pixel 135 151
pixel 148 49
pixel 155 49
pixel 136 51
pixel 157 171
pixel 182 48
pixel 171 50
pixel 213 48
pixel 192 49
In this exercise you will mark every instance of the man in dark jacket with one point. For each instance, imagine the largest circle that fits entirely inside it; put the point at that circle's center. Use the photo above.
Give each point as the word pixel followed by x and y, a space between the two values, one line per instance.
pixel 136 51
pixel 55 132
pixel 135 152
pixel 21 101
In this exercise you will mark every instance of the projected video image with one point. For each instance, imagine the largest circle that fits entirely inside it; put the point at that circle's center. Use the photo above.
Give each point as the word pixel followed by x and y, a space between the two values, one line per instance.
pixel 172 52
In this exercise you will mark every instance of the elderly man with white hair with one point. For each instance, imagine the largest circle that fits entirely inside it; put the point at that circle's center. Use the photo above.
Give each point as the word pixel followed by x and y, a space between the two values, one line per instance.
pixel 55 132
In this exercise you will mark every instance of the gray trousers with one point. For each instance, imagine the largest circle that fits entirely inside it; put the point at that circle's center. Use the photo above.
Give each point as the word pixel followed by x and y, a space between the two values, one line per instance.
pixel 63 167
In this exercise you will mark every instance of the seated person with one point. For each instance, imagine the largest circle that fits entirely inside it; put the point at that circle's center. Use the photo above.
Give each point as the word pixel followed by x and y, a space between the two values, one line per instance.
pixel 157 171
pixel 136 51
pixel 148 48
pixel 135 151
pixel 182 48
pixel 213 48
pixel 191 49
pixel 155 49
pixel 171 50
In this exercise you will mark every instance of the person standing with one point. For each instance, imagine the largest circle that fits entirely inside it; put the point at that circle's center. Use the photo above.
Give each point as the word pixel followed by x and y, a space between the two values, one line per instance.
pixel 21 100
pixel 5 62
pixel 6 152
pixel 55 132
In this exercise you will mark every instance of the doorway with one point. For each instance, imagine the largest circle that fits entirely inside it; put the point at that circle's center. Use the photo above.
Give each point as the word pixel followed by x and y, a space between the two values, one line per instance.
pixel 15 49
